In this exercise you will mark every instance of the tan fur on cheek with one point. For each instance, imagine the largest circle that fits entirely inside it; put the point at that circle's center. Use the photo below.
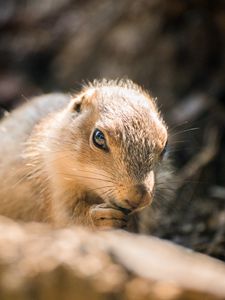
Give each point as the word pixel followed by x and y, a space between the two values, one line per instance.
pixel 80 172
pixel 96 180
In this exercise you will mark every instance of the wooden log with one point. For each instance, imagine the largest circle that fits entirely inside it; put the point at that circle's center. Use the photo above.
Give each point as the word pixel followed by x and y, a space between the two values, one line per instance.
pixel 38 262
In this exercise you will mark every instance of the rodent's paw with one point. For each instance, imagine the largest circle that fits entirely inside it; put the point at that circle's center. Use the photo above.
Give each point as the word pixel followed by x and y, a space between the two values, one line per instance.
pixel 106 217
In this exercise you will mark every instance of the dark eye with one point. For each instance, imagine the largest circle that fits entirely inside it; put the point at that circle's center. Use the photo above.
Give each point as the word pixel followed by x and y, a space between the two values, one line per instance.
pixel 99 139
pixel 165 149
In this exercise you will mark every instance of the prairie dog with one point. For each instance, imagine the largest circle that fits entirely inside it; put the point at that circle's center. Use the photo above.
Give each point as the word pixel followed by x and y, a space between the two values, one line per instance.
pixel 89 159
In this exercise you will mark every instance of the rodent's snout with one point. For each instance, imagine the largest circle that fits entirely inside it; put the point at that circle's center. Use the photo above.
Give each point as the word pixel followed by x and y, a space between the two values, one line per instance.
pixel 137 197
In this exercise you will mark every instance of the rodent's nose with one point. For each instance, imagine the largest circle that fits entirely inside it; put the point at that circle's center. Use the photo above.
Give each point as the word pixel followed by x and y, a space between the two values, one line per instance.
pixel 138 197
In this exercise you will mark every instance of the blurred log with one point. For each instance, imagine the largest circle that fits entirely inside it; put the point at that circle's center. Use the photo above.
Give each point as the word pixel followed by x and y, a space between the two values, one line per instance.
pixel 37 262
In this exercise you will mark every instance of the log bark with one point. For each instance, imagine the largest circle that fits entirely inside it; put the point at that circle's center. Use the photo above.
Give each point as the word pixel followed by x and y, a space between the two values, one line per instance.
pixel 38 262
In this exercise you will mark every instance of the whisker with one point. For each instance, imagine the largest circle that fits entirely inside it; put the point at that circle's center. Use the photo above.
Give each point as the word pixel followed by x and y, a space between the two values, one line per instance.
pixel 172 128
pixel 184 131
pixel 176 142
pixel 164 189
pixel 86 177
pixel 99 188
pixel 95 173
pixel 108 193
pixel 68 155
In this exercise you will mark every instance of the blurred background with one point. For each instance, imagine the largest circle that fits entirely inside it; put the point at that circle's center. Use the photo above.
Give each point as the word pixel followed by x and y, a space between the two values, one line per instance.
pixel 174 48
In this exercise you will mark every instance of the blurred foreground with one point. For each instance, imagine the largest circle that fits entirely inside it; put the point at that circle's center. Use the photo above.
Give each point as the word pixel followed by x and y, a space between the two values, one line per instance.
pixel 37 262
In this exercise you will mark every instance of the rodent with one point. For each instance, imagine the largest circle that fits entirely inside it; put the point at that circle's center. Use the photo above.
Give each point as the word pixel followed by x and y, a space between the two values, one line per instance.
pixel 88 159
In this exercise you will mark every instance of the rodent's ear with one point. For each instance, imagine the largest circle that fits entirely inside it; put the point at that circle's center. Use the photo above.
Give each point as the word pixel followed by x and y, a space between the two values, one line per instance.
pixel 77 103
pixel 83 100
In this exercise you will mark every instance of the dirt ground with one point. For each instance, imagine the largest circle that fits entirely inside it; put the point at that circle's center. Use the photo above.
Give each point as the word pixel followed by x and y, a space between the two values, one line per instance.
pixel 174 48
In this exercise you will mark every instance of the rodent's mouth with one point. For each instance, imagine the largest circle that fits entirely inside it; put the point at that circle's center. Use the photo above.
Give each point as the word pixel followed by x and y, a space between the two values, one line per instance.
pixel 125 210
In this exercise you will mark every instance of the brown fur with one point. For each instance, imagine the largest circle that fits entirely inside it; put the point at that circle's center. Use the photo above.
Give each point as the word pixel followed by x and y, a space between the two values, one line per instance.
pixel 51 171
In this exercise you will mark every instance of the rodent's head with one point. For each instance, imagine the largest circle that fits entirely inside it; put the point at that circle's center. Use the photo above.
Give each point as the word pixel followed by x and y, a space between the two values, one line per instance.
pixel 116 139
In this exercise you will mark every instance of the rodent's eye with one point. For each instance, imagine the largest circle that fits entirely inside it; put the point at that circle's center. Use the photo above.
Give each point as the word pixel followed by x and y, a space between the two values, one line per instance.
pixel 99 139
pixel 165 149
